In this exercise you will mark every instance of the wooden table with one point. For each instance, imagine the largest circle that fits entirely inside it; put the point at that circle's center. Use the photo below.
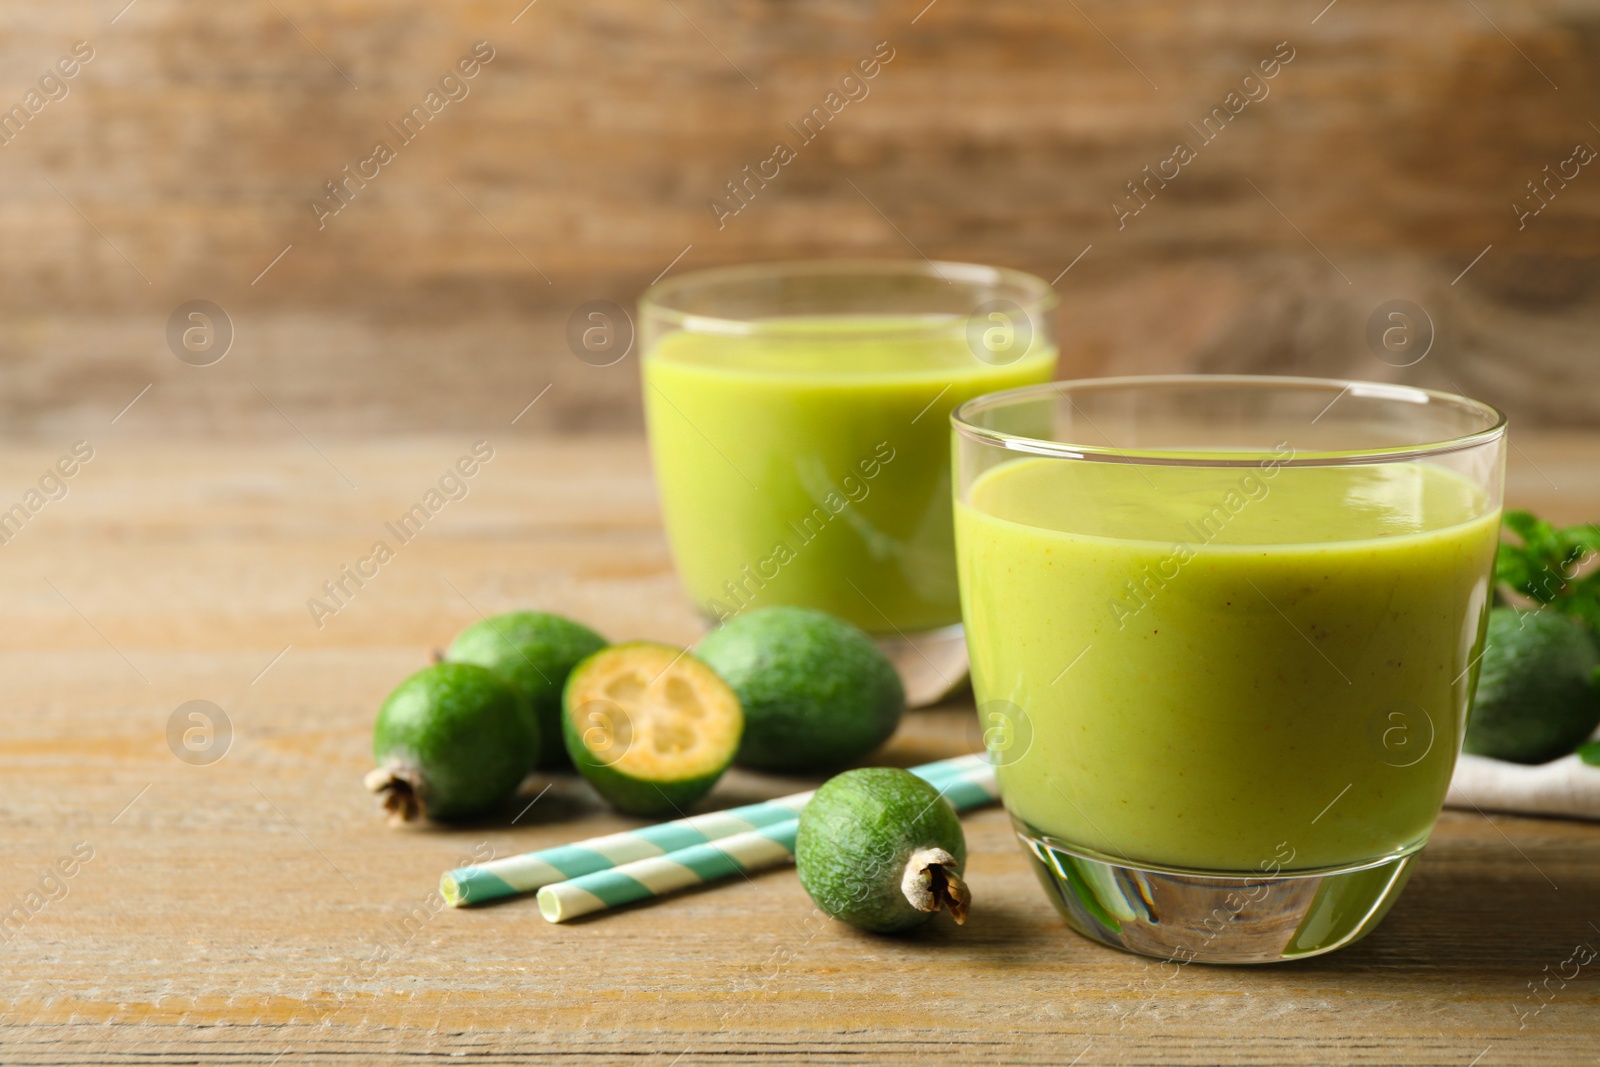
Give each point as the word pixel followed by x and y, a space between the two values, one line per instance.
pixel 257 909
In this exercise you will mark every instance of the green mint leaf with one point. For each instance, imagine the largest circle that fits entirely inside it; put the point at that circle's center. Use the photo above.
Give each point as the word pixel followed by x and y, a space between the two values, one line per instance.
pixel 1521 523
pixel 1544 566
pixel 1510 567
pixel 1589 752
pixel 1582 540
pixel 1586 610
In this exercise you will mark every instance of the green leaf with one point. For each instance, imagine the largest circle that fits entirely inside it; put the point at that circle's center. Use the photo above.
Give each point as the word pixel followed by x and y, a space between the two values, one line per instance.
pixel 1582 598
pixel 1510 565
pixel 1583 539
pixel 1589 752
pixel 1520 522
pixel 1545 564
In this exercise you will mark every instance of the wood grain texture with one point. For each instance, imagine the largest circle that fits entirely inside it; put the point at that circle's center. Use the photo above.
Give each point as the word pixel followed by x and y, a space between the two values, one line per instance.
pixel 584 160
pixel 257 910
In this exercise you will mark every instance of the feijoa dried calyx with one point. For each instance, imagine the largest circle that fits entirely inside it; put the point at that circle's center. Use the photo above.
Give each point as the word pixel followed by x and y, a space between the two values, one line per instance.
pixel 880 849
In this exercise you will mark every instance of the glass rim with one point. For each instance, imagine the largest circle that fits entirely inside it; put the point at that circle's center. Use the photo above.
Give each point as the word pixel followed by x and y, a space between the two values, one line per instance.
pixel 1037 295
pixel 961 420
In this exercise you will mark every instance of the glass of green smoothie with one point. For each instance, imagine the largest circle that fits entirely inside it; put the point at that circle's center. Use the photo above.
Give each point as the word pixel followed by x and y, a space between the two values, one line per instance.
pixel 1224 633
pixel 798 418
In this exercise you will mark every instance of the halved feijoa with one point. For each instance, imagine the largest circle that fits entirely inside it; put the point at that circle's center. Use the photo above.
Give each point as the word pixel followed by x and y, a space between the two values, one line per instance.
pixel 651 727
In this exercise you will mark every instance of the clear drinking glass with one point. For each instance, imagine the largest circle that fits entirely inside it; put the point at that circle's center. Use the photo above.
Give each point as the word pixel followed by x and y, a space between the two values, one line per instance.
pixel 798 425
pixel 1224 634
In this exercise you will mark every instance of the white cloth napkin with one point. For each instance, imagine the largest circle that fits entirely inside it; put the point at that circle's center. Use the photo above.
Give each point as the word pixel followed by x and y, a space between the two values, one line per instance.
pixel 1566 787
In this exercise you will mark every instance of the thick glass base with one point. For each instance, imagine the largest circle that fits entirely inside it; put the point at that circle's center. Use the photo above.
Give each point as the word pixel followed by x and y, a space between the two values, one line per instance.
pixel 1214 917
pixel 932 663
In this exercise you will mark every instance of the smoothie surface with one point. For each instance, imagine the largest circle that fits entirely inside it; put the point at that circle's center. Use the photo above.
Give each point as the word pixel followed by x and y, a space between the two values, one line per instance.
pixel 836 348
pixel 1309 506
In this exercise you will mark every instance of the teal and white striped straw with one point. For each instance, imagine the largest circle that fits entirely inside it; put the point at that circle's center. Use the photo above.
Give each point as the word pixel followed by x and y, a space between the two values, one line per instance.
pixel 525 873
pixel 964 783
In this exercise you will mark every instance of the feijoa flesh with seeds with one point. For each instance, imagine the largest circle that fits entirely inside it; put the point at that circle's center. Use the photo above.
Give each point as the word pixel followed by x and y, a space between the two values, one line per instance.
pixel 650 726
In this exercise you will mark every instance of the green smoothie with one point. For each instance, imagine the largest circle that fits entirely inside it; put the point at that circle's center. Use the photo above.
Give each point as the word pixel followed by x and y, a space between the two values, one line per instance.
pixel 1228 669
pixel 809 464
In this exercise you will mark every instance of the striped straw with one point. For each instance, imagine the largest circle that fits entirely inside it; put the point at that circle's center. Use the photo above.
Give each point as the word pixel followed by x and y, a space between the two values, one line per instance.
pixel 514 875
pixel 969 785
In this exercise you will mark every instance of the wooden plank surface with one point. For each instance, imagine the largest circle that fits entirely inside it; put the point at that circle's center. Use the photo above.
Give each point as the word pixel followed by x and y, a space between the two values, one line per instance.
pixel 1386 157
pixel 257 909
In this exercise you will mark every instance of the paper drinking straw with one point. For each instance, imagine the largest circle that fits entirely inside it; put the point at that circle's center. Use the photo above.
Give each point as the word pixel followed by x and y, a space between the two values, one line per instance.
pixel 969 786
pixel 525 873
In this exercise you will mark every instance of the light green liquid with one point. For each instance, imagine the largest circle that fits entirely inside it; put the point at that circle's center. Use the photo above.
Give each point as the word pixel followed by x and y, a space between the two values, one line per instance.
pixel 1212 662
pixel 813 468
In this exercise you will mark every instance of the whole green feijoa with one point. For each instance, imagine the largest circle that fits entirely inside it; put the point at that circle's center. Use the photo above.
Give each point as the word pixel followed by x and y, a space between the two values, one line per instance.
pixel 451 742
pixel 535 652
pixel 879 848
pixel 1537 695
pixel 817 692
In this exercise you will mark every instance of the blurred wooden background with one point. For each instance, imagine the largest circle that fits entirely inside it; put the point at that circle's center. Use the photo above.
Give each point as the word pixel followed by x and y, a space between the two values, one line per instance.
pixel 185 154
